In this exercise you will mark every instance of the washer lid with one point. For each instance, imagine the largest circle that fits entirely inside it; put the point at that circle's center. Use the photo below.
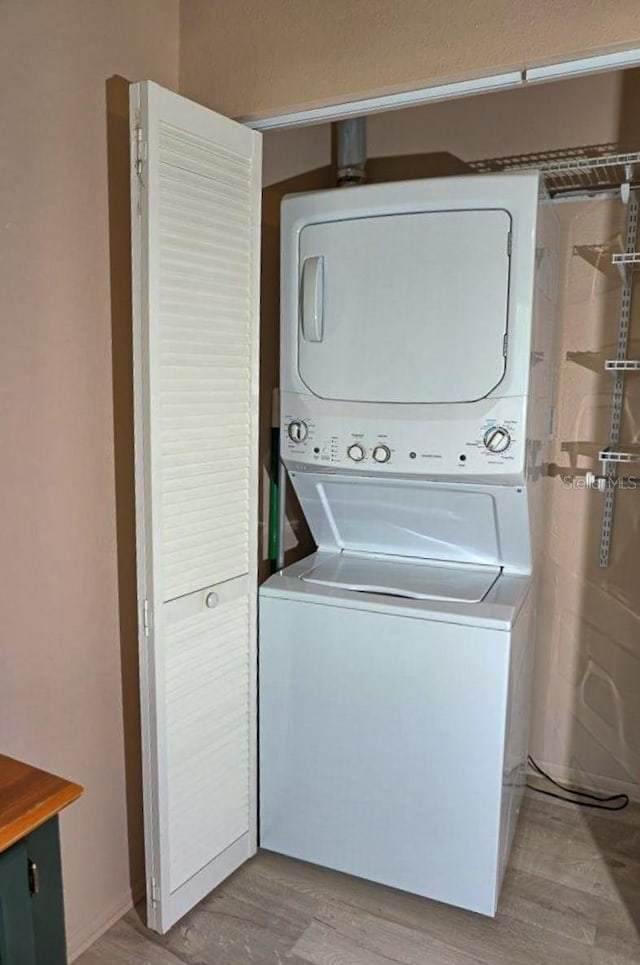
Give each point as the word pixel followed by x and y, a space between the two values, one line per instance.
pixel 405 519
pixel 415 579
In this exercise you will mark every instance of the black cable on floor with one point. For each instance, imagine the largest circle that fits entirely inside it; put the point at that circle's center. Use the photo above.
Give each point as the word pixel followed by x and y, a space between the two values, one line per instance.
pixel 593 800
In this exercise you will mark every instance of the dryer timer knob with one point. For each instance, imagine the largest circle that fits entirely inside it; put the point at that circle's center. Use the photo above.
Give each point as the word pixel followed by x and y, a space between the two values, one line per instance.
pixel 497 439
pixel 297 431
pixel 356 452
pixel 382 454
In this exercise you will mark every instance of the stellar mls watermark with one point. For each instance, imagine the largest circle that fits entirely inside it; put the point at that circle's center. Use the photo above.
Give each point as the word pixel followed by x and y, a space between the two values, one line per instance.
pixel 613 482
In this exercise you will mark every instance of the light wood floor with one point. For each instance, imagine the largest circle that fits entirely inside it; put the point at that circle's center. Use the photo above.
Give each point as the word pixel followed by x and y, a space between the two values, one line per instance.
pixel 571 897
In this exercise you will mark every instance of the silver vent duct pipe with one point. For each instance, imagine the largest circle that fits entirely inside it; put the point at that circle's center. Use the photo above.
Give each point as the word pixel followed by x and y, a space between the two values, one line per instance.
pixel 351 150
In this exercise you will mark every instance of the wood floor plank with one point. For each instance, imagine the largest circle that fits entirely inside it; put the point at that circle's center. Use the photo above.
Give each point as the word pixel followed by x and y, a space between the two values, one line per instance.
pixel 473 939
pixel 618 929
pixel 225 930
pixel 549 905
pixel 323 945
pixel 280 901
pixel 125 945
pixel 573 860
pixel 368 937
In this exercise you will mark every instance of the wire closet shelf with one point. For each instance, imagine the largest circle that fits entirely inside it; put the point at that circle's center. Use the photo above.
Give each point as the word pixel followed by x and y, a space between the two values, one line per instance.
pixel 589 170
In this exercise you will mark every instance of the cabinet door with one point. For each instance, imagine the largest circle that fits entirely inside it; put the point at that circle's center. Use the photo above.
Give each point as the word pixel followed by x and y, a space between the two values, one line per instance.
pixel 17 945
pixel 196 181
pixel 47 908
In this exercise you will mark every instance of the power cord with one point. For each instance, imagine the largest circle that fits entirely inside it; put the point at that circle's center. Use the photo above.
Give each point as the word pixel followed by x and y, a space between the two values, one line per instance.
pixel 593 800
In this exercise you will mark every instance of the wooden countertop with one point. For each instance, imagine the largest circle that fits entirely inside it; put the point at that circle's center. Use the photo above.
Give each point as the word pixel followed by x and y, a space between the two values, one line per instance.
pixel 28 798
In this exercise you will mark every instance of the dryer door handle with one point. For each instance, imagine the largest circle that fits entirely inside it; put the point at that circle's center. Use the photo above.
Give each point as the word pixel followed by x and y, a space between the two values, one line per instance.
pixel 312 300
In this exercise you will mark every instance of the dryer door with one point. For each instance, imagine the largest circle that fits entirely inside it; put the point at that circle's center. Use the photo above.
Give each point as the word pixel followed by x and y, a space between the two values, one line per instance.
pixel 405 308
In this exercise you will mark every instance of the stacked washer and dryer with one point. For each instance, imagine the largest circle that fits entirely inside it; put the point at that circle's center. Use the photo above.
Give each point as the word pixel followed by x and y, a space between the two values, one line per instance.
pixel 396 661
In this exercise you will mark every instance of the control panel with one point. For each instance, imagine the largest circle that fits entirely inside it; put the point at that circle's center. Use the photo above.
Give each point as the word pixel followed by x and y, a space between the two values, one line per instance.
pixel 448 444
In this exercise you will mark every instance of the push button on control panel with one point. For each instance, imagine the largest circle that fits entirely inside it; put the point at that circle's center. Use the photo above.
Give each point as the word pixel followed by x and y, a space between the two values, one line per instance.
pixel 356 452
pixel 497 439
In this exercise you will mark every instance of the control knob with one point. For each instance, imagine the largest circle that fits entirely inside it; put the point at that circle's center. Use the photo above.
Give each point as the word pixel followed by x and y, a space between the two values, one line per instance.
pixel 497 439
pixel 382 454
pixel 297 430
pixel 356 452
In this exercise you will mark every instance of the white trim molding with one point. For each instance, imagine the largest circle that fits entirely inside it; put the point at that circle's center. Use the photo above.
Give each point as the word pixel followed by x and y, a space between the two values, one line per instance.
pixel 327 113
pixel 620 60
pixel 385 102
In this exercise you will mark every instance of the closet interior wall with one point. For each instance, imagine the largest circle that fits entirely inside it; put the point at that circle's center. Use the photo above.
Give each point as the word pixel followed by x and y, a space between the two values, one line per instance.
pixel 586 707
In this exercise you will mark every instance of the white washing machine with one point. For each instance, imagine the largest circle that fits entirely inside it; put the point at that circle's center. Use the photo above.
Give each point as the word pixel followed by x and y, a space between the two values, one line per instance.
pixel 396 661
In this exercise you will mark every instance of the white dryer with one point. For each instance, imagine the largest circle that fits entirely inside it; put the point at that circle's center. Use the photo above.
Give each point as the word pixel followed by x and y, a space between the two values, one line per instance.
pixel 396 661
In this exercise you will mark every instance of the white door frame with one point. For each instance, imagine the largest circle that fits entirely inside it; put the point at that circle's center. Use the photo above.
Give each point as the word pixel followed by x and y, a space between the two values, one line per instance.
pixel 335 111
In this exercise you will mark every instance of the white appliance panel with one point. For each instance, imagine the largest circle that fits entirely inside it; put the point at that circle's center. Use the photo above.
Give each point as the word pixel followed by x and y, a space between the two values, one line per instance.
pixel 413 579
pixel 408 308
pixel 374 728
pixel 435 441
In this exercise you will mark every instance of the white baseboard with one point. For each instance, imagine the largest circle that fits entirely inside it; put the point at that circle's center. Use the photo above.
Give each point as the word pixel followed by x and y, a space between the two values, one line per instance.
pixel 84 938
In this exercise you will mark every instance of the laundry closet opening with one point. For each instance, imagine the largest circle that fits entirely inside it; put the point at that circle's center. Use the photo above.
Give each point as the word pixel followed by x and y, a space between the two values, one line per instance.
pixel 587 677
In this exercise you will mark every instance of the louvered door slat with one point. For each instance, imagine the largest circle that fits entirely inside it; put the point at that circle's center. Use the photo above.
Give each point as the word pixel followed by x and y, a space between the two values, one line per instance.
pixel 195 207
pixel 201 744
pixel 191 163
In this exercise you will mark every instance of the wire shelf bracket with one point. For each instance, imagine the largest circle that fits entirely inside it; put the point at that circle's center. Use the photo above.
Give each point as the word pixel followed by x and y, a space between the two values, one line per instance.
pixel 622 365
pixel 626 262
pixel 609 455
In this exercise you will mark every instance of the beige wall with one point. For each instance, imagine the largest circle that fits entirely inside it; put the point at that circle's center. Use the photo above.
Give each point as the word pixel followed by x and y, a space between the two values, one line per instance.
pixel 256 56
pixel 586 722
pixel 61 691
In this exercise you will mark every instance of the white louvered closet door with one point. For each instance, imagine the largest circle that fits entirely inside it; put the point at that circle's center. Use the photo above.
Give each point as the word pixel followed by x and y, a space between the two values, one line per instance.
pixel 196 181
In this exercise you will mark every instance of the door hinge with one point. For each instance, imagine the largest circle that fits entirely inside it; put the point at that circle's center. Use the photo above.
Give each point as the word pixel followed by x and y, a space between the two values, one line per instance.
pixel 140 150
pixel 505 344
pixel 34 877
pixel 154 891
pixel 145 617
pixel 509 244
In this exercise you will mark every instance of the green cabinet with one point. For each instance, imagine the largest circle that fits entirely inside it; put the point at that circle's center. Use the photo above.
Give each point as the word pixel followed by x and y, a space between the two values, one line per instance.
pixel 31 903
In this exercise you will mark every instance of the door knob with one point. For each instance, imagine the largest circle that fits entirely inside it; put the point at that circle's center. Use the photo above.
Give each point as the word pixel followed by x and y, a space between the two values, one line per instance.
pixel 211 600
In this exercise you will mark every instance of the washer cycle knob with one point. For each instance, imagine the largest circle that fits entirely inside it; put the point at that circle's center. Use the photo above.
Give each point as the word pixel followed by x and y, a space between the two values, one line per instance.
pixel 297 431
pixel 382 454
pixel 356 452
pixel 497 439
